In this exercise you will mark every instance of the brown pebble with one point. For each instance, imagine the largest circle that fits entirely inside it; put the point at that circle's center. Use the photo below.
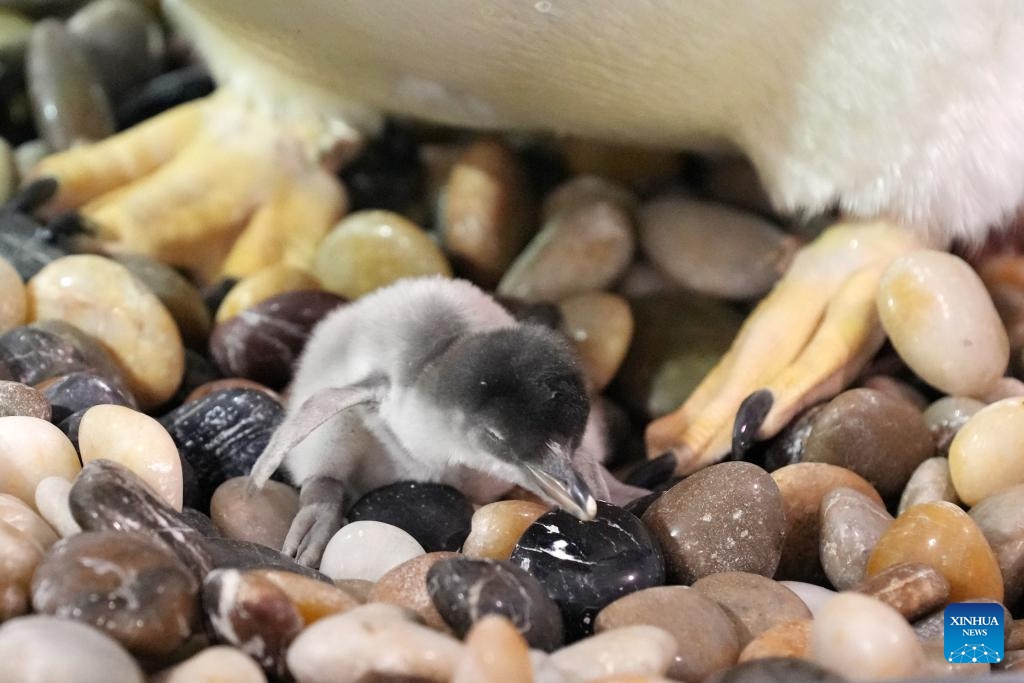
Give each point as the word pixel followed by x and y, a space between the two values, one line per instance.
pixel 314 599
pixel 1015 634
pixel 788 639
pixel 706 639
pixel 754 602
pixel 803 486
pixel 406 586
pixel 495 652
pixel 19 557
pixel 600 327
pixel 851 524
pixel 726 517
pixel 260 516
pixel 20 399
pixel 912 589
pixel 263 284
pixel 357 589
pixel 1013 660
pixel 22 517
pixel 496 527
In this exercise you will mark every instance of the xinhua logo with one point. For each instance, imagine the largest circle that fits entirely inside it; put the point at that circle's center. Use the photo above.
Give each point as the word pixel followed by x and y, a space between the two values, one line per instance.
pixel 973 632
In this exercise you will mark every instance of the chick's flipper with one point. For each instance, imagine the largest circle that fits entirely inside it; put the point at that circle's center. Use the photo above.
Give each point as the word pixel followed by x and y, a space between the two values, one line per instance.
pixel 805 342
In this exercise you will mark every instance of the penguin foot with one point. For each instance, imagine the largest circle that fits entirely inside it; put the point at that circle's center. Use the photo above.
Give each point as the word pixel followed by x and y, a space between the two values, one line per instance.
pixel 219 186
pixel 321 514
pixel 805 342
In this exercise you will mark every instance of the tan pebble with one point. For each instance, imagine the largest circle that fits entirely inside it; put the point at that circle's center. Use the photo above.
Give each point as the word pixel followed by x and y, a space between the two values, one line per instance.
pixel 930 482
pixel 261 516
pixel 788 639
pixel 912 589
pixel 20 399
pixel 585 189
pixel 358 589
pixel 851 524
pixel 494 652
pixel 864 639
pixel 263 284
pixel 890 386
pixel 314 599
pixel 104 300
pixel 803 487
pixel 13 297
pixel 371 249
pixel 19 557
pixel 51 499
pixel 985 455
pixel 943 323
pixel 22 517
pixel 1004 387
pixel 406 586
pixel 754 602
pixel 1001 519
pixel 180 297
pixel 487 215
pixel 208 388
pixel 945 537
pixel 31 450
pixel 216 664
pixel 138 442
pixel 629 650
pixel 937 665
pixel 600 327
pixel 496 527
pixel 372 640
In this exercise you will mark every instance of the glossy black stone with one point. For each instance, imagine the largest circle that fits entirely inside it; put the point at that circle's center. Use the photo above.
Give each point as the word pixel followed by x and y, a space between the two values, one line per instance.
pixel 436 515
pixel 32 196
pixel 163 92
pixel 198 371
pixel 228 553
pixel 69 425
pixel 80 391
pixel 465 590
pixel 388 174
pixel 263 342
pixel 33 355
pixel 23 243
pixel 222 434
pixel 654 472
pixel 638 506
pixel 787 448
pixel 584 566
pixel 200 522
pixel 776 670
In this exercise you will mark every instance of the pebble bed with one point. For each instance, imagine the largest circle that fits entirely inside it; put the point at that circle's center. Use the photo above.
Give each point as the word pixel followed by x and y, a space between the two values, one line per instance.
pixel 134 400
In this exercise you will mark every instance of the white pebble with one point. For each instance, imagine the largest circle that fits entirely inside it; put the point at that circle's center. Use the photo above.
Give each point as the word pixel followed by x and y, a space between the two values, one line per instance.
pixel 52 502
pixel 217 664
pixel 31 450
pixel 626 651
pixel 367 550
pixel 814 596
pixel 22 517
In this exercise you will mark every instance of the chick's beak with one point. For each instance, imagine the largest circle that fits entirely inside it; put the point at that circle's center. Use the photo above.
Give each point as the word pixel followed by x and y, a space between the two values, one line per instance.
pixel 560 483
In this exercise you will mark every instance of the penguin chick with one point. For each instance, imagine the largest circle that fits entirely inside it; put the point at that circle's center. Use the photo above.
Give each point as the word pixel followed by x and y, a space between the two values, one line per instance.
pixel 431 380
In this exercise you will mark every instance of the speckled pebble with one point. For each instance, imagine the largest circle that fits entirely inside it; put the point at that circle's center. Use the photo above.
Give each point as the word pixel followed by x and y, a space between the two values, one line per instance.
pixel 31 450
pixel 20 399
pixel 367 550
pixel 406 586
pixel 930 483
pixel 851 524
pixel 262 516
pixel 496 527
pixel 754 602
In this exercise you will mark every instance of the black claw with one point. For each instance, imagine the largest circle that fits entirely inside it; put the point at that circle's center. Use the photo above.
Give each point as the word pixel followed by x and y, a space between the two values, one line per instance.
pixel 749 419
pixel 653 472
pixel 32 196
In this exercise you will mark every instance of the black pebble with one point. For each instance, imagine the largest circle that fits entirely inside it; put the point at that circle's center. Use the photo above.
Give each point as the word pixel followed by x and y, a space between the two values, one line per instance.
pixel 24 243
pixel 584 566
pixel 33 355
pixel 436 515
pixel 80 391
pixel 163 92
pixel 227 553
pixel 654 472
pixel 388 174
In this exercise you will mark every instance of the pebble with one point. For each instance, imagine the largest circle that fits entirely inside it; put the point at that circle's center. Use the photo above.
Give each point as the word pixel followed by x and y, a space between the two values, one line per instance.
pixel 68 102
pixel 367 550
pixel 20 554
pixel 262 516
pixel 79 391
pixel 123 40
pixel 584 566
pixel 937 664
pixel 813 595
pixel 930 482
pixel 581 190
pixel 637 650
pixel 582 250
pixel 180 297
pixel 26 156
pixel 863 639
pixel 894 388
pixel 33 355
pixel 228 553
pixel 370 642
pixel 1000 517
pixel 97 357
pixel 212 386
pixel 803 487
pixel 8 169
pixel 790 640
pixel 138 442
pixel 487 212
pixel 370 249
pixel 263 342
pixel 167 90
pixel 706 637
pixel 985 455
pixel 945 537
pixel 222 434
pixel 249 612
pixel 436 515
pixel 13 301
pixel 851 524
pixel 130 585
pixel 912 589
pixel 496 527
pixel 754 603
pixel 776 670
pixel 104 300
pixel 358 589
pixel 726 517
pixel 31 450
pixel 41 648
pixel 406 586
pixel 314 599
pixel 600 327
pixel 464 591
pixel 494 652
pixel 264 284
pixel 947 415
pixel 881 438
pixel 51 499
pixel 17 399
pixel 21 516
pixel 216 664
pixel 713 249
pixel 942 322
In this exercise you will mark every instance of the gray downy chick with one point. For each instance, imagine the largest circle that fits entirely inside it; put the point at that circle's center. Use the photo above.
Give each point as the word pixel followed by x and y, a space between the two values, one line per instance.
pixel 432 380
